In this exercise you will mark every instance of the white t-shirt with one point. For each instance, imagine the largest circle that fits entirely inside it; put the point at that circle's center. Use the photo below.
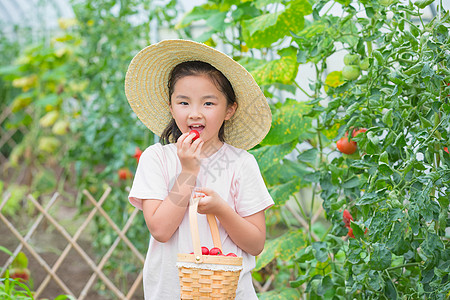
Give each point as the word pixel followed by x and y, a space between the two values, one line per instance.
pixel 231 172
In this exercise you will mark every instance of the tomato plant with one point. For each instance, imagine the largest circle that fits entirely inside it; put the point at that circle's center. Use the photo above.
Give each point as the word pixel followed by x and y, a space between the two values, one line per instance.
pixel 393 88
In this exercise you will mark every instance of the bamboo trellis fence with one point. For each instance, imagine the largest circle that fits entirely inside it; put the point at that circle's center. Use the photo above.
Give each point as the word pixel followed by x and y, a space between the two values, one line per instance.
pixel 97 272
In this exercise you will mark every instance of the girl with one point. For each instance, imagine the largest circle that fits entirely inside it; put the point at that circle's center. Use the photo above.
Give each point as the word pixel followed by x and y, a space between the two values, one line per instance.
pixel 174 87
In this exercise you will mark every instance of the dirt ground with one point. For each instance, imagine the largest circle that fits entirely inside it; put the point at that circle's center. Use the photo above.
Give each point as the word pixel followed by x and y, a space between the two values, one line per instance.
pixel 74 271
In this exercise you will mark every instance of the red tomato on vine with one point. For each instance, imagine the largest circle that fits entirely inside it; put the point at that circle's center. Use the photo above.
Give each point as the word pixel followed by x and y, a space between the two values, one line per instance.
pixel 124 174
pixel 347 217
pixel 137 154
pixel 346 146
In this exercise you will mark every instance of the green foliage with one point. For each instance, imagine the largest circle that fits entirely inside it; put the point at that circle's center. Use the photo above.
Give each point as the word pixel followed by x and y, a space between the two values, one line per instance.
pixel 67 92
pixel 396 186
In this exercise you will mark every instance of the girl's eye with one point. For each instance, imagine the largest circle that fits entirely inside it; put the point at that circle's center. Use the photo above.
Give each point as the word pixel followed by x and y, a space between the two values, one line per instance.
pixel 183 103
pixel 209 103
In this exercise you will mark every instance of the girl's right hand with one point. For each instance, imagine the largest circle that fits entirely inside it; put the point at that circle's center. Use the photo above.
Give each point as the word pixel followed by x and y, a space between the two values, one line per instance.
pixel 189 152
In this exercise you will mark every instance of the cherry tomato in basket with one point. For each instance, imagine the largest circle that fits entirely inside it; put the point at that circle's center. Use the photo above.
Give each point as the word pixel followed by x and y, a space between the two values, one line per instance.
pixel 205 251
pixel 215 251
pixel 232 254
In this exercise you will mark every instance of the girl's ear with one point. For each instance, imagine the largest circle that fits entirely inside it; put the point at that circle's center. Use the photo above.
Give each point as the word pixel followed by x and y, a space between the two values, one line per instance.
pixel 170 107
pixel 231 109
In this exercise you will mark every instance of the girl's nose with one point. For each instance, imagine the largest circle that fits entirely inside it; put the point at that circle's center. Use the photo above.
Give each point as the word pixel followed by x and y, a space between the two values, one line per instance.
pixel 195 113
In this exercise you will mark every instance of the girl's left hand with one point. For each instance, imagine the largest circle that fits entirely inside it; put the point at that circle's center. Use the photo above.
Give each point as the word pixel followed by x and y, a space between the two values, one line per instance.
pixel 211 203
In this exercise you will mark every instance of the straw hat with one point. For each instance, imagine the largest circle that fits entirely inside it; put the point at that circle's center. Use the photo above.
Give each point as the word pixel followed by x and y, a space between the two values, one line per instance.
pixel 148 94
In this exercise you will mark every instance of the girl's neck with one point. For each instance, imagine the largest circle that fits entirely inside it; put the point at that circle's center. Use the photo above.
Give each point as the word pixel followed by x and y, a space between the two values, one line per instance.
pixel 210 149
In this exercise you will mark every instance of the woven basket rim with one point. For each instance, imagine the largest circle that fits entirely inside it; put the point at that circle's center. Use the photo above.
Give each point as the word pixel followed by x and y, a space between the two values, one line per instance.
pixel 211 259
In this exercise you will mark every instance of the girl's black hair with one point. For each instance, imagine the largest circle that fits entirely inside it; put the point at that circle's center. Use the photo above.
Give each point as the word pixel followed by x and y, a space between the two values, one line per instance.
pixel 171 133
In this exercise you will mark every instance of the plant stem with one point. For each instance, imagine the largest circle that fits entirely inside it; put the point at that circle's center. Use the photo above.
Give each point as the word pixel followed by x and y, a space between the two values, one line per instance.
pixel 403 266
pixel 301 207
pixel 334 2
pixel 369 48
pixel 301 89
pixel 313 197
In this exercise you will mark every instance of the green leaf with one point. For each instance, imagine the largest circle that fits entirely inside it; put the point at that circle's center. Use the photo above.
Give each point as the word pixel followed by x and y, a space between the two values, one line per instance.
pixel 368 198
pixel 300 280
pixel 387 118
pixel 285 247
pixel 3 249
pixel 266 29
pixel 64 297
pixel 423 3
pixel 283 70
pixel 10 70
pixel 281 294
pixel 281 193
pixel 320 251
pixel 261 23
pixel 309 156
pixel 288 123
pixel 351 182
pixel 358 232
pixel 380 258
pixel 305 254
pixel 267 156
pixel 20 261
pixel 51 99
pixel 389 290
pixel 325 285
pixel 284 172
pixel 217 21
pixel 197 13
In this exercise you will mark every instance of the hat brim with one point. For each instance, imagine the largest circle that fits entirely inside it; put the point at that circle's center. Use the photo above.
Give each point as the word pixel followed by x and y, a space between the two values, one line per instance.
pixel 148 94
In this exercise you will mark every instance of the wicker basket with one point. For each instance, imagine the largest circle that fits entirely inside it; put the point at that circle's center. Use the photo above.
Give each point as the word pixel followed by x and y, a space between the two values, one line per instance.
pixel 207 276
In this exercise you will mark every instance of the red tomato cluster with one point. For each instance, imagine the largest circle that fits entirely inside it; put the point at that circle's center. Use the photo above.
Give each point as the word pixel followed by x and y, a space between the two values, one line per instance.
pixel 347 218
pixel 215 251
pixel 124 174
pixel 346 146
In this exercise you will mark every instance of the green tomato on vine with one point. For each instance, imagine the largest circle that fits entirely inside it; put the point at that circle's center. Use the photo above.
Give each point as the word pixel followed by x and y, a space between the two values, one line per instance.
pixel 351 72
pixel 386 3
pixel 351 59
pixel 364 64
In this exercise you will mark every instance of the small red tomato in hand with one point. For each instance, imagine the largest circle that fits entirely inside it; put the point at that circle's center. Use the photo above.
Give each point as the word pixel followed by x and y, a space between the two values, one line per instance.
pixel 232 254
pixel 345 146
pixel 215 251
pixel 137 154
pixel 124 174
pixel 197 135
pixel 205 251
pixel 347 217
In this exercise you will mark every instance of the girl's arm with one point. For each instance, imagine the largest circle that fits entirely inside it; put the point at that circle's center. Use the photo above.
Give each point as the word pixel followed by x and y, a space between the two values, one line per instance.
pixel 164 217
pixel 248 233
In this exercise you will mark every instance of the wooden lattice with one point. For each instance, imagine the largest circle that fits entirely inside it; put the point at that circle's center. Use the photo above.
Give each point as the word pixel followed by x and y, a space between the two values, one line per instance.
pixel 6 136
pixel 72 244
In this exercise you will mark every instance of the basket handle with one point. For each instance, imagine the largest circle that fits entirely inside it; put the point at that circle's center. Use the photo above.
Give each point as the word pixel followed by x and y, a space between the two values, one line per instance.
pixel 194 229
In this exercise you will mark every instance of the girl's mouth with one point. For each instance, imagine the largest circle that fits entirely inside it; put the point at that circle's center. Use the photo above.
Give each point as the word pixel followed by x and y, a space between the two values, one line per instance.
pixel 198 128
